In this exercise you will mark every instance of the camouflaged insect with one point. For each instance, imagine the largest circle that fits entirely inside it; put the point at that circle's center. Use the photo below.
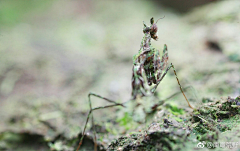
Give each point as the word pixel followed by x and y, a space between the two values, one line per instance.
pixel 147 63
pixel 147 70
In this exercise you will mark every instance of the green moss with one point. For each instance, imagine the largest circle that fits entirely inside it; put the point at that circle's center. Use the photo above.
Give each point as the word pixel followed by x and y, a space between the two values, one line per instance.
pixel 208 123
pixel 175 110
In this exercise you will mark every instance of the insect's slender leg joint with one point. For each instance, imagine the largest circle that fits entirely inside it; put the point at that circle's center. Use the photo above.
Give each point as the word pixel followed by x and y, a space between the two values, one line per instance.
pixel 90 112
pixel 108 100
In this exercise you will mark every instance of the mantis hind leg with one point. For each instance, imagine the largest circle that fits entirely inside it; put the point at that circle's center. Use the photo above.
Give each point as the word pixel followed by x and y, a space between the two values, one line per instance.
pixel 89 114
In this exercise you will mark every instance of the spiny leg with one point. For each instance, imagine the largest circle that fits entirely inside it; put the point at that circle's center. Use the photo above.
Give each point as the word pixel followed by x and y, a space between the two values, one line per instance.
pixel 155 87
pixel 159 65
pixel 139 81
pixel 89 113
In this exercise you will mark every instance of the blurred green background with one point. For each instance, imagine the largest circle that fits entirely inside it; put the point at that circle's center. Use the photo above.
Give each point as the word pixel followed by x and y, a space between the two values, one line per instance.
pixel 53 53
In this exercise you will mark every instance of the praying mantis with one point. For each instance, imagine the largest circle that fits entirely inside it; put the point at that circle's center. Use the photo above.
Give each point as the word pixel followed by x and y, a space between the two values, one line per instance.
pixel 147 73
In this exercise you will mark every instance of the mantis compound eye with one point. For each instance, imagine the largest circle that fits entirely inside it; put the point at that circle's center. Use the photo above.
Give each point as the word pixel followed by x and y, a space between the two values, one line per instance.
pixel 153 31
pixel 154 28
pixel 146 29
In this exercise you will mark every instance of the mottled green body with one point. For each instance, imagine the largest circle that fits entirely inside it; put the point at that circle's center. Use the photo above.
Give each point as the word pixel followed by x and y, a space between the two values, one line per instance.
pixel 147 64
